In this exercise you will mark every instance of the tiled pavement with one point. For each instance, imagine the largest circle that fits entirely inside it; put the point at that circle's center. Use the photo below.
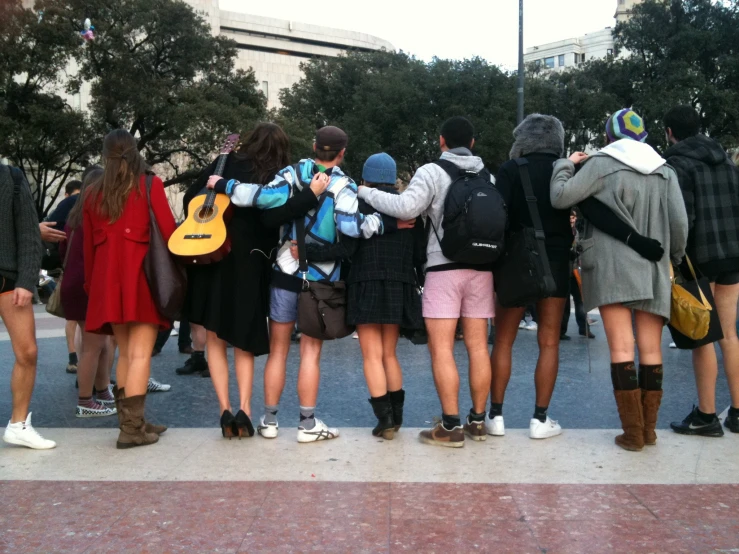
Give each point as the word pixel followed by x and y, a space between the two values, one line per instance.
pixel 194 492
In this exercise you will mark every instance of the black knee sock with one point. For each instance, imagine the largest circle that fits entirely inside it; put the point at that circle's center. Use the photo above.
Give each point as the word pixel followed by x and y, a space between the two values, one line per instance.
pixel 650 377
pixel 450 421
pixel 495 409
pixel 623 376
pixel 540 413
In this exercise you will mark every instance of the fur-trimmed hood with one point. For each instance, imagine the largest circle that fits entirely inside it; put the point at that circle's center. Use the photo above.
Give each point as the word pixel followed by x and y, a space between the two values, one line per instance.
pixel 538 133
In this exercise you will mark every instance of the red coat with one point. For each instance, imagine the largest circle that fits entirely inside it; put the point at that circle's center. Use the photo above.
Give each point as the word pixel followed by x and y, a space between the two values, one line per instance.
pixel 114 256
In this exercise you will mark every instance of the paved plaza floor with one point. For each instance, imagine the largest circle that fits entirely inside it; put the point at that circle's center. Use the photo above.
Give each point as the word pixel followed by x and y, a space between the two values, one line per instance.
pixel 196 492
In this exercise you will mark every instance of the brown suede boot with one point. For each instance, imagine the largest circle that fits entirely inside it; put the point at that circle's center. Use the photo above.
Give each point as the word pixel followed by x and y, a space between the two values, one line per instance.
pixel 632 419
pixel 150 427
pixel 133 428
pixel 650 400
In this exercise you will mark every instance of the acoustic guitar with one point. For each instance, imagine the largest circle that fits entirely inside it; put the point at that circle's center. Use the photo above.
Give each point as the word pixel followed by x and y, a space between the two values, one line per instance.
pixel 202 237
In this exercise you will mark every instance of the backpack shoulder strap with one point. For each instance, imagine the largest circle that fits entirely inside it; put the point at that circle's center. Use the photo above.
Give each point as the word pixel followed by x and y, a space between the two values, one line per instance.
pixel 528 189
pixel 450 167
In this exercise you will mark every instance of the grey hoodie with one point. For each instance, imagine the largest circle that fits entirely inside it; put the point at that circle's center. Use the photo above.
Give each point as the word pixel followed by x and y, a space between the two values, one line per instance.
pixel 424 197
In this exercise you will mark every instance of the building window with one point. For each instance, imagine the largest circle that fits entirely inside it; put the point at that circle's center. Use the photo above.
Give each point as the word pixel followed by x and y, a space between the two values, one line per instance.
pixel 549 62
pixel 610 51
pixel 537 63
pixel 265 88
pixel 561 60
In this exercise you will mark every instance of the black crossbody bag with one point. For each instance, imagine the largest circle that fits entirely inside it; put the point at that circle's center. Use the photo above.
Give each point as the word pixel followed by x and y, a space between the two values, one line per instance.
pixel 321 304
pixel 522 275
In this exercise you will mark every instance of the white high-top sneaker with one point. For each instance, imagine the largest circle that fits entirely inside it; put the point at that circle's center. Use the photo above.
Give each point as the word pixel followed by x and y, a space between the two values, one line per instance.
pixel 23 434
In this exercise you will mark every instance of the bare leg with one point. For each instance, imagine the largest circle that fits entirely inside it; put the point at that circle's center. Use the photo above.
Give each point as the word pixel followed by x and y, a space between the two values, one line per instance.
pixel 649 337
pixel 244 377
pixel 120 334
pixel 199 339
pixel 446 378
pixel 475 333
pixel 69 331
pixel 274 370
pixel 506 329
pixel 140 338
pixel 370 341
pixel 393 371
pixel 619 332
pixel 309 375
pixel 726 297
pixel 105 365
pixel 218 364
pixel 21 326
pixel 549 312
pixel 93 347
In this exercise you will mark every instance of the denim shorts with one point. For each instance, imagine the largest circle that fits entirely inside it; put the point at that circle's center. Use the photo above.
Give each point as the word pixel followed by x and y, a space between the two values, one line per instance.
pixel 283 305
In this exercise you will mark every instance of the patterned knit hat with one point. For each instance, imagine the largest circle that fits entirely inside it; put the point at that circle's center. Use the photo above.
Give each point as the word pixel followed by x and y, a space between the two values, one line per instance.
pixel 626 124
pixel 379 168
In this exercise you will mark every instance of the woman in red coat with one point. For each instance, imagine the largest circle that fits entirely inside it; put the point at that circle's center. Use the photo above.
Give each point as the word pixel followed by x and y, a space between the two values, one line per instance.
pixel 116 239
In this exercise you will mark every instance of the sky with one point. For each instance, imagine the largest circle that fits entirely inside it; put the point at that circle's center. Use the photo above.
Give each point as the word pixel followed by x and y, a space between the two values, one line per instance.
pixel 456 30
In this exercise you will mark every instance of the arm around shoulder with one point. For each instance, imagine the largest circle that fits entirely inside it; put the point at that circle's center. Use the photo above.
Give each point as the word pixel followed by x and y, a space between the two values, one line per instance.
pixel 410 203
pixel 568 188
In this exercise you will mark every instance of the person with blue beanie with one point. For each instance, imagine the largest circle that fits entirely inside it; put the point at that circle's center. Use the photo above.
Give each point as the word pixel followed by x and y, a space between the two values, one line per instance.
pixel 383 294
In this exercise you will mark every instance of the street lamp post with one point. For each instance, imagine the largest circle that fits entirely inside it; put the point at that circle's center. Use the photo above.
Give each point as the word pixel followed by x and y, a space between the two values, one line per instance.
pixel 519 117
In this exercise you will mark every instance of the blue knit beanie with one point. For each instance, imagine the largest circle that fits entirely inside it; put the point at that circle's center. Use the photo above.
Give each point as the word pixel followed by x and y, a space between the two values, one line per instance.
pixel 379 168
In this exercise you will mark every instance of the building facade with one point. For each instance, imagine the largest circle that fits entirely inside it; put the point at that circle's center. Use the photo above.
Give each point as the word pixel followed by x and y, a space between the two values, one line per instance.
pixel 574 51
pixel 275 48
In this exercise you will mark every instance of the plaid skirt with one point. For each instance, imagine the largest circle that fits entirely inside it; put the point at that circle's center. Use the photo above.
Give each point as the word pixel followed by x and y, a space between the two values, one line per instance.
pixel 384 302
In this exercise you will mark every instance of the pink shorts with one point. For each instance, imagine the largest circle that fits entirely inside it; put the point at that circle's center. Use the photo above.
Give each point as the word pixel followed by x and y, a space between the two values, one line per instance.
pixel 458 293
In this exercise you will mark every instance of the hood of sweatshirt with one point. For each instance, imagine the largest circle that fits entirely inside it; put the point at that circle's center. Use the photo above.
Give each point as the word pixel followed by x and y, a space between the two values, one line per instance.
pixel 700 148
pixel 463 159
pixel 637 155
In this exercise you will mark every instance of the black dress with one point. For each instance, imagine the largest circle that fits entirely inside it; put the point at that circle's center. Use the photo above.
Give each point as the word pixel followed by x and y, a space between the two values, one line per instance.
pixel 231 297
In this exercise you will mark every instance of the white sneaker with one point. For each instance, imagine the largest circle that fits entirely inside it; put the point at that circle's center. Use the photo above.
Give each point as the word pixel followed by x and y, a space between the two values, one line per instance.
pixel 268 430
pixel 495 426
pixel 531 326
pixel 156 386
pixel 673 345
pixel 548 429
pixel 23 434
pixel 100 410
pixel 522 325
pixel 355 335
pixel 174 333
pixel 321 432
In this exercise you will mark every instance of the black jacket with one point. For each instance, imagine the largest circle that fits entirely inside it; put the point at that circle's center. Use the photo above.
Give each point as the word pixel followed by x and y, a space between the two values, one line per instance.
pixel 710 186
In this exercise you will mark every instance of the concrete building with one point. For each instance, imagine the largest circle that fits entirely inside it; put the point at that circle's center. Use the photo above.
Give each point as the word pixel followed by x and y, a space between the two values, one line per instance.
pixel 275 48
pixel 574 51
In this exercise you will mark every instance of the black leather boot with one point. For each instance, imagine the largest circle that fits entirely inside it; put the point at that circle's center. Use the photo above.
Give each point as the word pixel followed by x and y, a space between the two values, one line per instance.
pixel 397 399
pixel 384 413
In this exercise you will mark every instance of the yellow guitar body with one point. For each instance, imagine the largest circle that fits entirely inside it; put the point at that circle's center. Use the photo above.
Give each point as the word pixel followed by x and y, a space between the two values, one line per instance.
pixel 202 237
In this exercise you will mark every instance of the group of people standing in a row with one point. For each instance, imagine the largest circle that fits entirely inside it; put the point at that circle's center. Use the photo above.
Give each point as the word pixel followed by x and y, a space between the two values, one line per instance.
pixel 641 213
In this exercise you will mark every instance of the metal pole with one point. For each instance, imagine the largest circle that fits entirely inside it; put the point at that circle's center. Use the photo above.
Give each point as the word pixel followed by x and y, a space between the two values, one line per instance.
pixel 519 117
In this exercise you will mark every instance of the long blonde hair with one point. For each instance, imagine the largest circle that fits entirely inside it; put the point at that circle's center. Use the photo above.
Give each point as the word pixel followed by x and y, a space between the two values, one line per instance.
pixel 122 168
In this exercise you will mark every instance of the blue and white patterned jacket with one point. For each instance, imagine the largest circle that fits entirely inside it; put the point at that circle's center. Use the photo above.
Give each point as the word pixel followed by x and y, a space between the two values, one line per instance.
pixel 337 212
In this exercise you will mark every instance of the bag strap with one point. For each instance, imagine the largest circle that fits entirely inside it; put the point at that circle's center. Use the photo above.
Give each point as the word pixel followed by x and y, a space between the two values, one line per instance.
pixel 704 300
pixel 302 255
pixel 528 189
pixel 450 167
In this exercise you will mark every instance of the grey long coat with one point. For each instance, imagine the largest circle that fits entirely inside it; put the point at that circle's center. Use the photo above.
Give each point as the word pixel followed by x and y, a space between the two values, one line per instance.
pixel 613 273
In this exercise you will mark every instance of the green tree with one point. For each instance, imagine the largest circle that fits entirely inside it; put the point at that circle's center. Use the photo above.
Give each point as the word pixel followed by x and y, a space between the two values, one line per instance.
pixel 39 131
pixel 393 102
pixel 684 52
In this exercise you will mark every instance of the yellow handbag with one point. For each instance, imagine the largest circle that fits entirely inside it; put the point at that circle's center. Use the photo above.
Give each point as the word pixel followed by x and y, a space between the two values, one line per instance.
pixel 688 314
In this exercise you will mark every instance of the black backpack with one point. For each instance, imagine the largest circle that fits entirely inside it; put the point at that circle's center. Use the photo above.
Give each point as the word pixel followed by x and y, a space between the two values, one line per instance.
pixel 475 217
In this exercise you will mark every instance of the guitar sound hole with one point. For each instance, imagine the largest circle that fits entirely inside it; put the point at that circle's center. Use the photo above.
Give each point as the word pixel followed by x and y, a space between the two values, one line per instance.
pixel 206 213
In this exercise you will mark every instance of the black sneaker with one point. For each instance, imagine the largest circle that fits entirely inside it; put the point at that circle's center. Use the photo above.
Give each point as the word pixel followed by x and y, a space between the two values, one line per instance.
pixel 192 366
pixel 694 425
pixel 732 422
pixel 564 336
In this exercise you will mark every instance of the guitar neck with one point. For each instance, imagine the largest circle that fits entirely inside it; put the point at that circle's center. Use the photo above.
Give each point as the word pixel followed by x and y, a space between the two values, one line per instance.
pixel 220 166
